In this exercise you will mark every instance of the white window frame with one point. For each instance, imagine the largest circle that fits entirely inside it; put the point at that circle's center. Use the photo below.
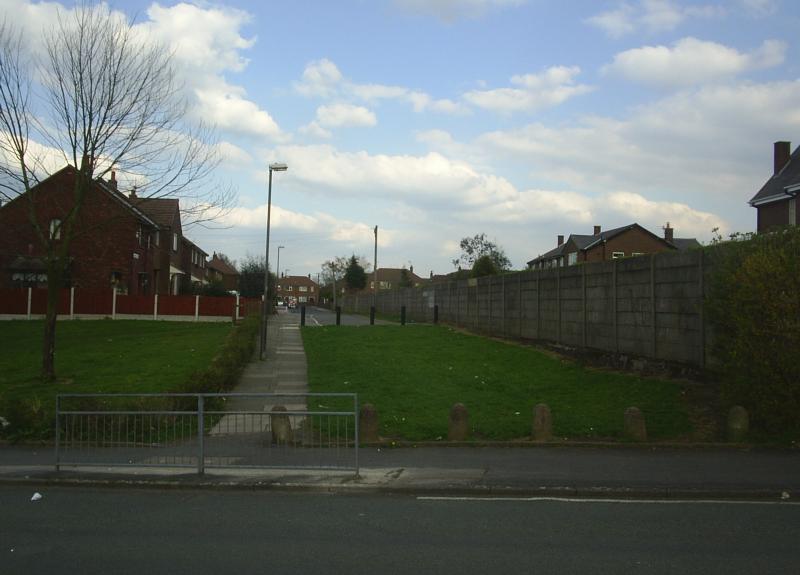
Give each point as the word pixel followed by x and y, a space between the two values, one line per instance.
pixel 175 242
pixel 617 255
pixel 572 258
pixel 55 229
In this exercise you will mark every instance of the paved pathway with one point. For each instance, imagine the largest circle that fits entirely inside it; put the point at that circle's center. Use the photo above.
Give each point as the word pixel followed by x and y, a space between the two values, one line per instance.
pixel 283 371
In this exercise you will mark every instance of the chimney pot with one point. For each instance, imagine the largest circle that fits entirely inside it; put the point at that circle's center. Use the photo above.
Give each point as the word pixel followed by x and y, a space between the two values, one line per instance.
pixel 596 230
pixel 113 181
pixel 560 240
pixel 783 151
pixel 668 233
pixel 133 192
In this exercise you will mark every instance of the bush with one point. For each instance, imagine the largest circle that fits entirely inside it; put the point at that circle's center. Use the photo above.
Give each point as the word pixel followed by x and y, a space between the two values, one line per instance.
pixel 754 306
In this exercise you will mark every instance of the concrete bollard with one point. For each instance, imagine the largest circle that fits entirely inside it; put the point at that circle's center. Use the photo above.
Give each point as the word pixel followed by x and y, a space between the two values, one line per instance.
pixel 458 428
pixel 280 426
pixel 368 424
pixel 738 424
pixel 542 423
pixel 635 427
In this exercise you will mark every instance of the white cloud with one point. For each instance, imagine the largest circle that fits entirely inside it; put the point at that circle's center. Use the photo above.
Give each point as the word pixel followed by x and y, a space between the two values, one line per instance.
pixel 451 10
pixel 532 92
pixel 314 130
pixel 225 107
pixel 759 7
pixel 691 61
pixel 651 15
pixel 345 115
pixel 321 78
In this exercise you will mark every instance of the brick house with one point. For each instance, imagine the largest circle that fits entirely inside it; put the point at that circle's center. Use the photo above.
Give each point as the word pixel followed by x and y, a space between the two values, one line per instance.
pixel 776 201
pixel 301 289
pixel 219 270
pixel 626 241
pixel 390 278
pixel 118 241
pixel 193 263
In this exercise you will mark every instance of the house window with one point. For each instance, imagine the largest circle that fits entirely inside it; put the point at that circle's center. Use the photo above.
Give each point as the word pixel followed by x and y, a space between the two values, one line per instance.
pixel 634 254
pixel 793 212
pixel 174 242
pixel 302 288
pixel 155 238
pixel 55 229
pixel 572 258
pixel 617 255
pixel 290 288
pixel 312 289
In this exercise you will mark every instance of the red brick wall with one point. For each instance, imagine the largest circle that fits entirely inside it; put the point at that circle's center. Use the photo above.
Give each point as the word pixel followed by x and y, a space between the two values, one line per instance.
pixel 630 241
pixel 772 215
pixel 105 238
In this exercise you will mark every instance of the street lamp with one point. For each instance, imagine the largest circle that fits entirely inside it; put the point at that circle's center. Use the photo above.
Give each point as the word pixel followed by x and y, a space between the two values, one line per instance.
pixel 278 267
pixel 267 300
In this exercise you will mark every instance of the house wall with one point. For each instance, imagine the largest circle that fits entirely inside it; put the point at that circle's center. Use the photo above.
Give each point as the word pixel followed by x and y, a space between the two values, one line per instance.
pixel 105 239
pixel 773 215
pixel 646 306
pixel 629 241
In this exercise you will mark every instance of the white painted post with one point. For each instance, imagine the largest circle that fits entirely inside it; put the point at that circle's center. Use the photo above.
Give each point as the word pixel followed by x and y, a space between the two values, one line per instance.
pixel 72 302
pixel 114 303
pixel 237 307
pixel 30 297
pixel 155 306
pixel 196 308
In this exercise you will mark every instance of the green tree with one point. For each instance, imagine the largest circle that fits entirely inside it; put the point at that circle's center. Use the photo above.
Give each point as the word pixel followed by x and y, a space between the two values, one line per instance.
pixel 405 279
pixel 754 307
pixel 354 276
pixel 484 266
pixel 477 246
pixel 251 277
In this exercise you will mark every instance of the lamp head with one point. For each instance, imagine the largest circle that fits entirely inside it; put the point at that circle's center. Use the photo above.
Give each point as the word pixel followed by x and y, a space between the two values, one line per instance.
pixel 277 167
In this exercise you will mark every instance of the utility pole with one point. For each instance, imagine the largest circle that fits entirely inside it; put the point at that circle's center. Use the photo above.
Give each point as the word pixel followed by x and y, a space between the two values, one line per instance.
pixel 333 275
pixel 375 275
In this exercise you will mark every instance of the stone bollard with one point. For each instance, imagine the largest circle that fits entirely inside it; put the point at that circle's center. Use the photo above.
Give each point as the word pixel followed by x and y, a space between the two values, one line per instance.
pixel 368 424
pixel 635 427
pixel 542 423
pixel 458 428
pixel 738 424
pixel 280 426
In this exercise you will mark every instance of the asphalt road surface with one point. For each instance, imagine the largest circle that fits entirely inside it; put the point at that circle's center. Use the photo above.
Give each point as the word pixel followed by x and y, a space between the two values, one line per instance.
pixel 75 530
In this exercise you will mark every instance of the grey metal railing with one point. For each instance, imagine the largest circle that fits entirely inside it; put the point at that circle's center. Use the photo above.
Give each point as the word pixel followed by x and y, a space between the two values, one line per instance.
pixel 248 430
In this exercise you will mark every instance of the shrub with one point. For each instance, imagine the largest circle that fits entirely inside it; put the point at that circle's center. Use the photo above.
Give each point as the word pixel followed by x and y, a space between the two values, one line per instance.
pixel 754 306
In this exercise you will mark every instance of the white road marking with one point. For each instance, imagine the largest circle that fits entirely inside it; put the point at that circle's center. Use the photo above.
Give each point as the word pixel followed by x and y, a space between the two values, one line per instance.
pixel 596 500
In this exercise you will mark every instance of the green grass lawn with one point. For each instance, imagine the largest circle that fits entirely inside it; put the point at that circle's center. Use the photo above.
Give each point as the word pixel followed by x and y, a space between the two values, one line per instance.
pixel 414 374
pixel 105 356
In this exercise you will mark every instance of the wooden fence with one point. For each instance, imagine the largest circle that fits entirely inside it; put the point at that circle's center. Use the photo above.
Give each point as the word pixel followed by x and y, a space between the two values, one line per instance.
pixel 30 303
pixel 649 306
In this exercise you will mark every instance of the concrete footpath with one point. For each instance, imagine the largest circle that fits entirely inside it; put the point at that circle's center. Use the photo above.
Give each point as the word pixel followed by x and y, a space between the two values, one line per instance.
pixel 554 470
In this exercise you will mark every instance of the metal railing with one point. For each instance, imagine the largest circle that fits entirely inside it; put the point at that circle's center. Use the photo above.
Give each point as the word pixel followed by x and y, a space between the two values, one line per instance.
pixel 208 430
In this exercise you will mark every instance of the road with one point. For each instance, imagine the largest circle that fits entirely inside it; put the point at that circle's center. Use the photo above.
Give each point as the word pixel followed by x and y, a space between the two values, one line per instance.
pixel 76 530
pixel 322 316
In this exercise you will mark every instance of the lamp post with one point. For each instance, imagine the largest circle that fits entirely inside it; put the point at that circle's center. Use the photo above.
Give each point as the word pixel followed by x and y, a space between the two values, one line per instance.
pixel 278 266
pixel 267 299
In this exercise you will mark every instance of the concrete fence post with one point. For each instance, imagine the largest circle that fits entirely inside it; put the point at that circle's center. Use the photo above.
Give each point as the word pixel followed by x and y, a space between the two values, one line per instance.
pixel 236 316
pixel 542 423
pixel 368 424
pixel 30 301
pixel 738 424
pixel 155 306
pixel 113 303
pixel 635 427
pixel 458 428
pixel 72 302
pixel 196 308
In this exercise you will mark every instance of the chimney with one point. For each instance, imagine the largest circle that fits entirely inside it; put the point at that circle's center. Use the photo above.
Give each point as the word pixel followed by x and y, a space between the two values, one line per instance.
pixel 782 154
pixel 411 269
pixel 133 192
pixel 113 181
pixel 596 230
pixel 560 240
pixel 668 233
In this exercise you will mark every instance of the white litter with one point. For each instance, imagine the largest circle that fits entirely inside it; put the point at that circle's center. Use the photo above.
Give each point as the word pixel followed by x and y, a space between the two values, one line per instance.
pixel 785 495
pixel 36 496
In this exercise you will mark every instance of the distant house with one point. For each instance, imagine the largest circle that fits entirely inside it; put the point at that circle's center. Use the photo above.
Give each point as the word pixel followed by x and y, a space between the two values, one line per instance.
pixel 134 245
pixel 300 289
pixel 193 262
pixel 776 201
pixel 218 270
pixel 626 241
pixel 393 278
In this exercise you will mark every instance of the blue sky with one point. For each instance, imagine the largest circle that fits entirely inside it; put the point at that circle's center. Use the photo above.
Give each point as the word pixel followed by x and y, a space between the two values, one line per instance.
pixel 439 119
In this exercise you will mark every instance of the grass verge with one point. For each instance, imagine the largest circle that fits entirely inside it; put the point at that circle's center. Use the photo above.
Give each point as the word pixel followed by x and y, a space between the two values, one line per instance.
pixel 114 357
pixel 414 374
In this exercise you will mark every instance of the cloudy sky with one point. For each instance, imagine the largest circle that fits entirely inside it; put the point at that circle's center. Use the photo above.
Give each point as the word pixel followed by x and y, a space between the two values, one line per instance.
pixel 439 119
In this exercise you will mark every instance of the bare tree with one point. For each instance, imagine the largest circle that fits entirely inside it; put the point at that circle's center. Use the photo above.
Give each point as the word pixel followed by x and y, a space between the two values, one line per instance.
pixel 99 96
